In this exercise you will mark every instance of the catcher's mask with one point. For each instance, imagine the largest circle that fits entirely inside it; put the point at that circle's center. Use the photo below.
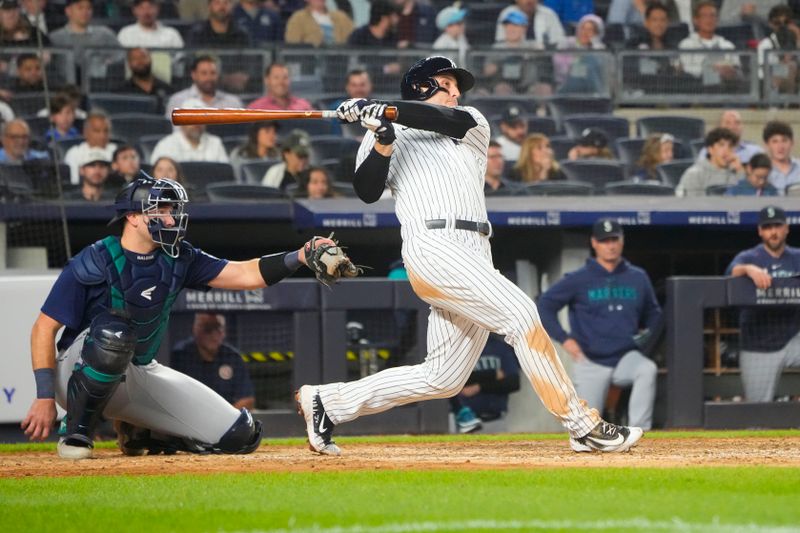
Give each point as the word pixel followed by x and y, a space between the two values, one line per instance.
pixel 419 82
pixel 150 197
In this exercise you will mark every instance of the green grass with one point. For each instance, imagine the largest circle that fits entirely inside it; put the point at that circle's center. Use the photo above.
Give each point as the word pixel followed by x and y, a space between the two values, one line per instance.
pixel 512 437
pixel 620 499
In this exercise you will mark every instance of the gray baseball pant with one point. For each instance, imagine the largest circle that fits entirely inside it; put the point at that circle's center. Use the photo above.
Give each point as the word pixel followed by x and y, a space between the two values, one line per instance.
pixel 762 370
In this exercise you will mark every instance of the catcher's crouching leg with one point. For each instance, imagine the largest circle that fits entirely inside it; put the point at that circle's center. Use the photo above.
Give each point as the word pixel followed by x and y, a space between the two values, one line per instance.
pixel 244 436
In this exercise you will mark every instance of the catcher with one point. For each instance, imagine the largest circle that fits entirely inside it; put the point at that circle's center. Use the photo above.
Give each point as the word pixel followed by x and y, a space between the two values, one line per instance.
pixel 113 300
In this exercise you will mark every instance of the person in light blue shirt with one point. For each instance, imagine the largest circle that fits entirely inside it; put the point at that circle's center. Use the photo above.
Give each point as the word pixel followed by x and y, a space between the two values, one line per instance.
pixel 779 139
pixel 16 143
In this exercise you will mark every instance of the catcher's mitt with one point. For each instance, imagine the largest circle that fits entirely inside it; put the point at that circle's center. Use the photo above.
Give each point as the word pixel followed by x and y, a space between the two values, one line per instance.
pixel 328 261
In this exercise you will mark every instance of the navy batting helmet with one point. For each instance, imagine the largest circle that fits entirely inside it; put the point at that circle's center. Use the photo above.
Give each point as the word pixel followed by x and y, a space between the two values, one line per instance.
pixel 418 82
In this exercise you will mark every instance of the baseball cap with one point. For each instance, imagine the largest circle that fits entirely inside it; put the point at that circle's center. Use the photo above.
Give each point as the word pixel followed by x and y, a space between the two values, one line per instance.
pixel 772 214
pixel 450 15
pixel 298 142
pixel 515 17
pixel 9 4
pixel 593 137
pixel 513 113
pixel 605 228
pixel 94 155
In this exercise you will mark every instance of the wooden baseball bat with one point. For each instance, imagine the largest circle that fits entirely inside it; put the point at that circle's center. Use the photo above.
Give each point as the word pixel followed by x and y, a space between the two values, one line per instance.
pixel 185 117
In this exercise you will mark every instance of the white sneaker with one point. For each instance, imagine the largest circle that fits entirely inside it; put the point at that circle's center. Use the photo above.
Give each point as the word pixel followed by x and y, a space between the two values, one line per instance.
pixel 607 437
pixel 75 447
pixel 319 427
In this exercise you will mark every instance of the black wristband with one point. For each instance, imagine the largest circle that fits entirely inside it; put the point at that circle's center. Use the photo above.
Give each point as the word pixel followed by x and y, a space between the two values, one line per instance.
pixel 275 267
pixel 45 383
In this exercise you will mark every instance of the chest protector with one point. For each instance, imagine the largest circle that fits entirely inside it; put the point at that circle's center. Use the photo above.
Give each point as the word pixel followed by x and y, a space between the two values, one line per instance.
pixel 145 292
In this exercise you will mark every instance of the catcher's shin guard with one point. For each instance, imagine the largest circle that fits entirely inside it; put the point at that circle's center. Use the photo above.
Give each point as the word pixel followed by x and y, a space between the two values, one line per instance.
pixel 244 436
pixel 107 350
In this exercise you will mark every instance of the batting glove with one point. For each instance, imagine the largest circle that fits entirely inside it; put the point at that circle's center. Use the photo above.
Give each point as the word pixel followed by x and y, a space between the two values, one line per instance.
pixel 373 110
pixel 349 111
pixel 382 128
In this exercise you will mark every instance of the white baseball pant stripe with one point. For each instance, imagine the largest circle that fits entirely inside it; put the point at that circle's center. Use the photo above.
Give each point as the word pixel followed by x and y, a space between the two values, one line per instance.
pixel 156 397
pixel 452 270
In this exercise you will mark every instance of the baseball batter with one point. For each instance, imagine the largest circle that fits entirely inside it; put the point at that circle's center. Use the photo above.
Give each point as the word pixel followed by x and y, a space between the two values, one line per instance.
pixel 114 299
pixel 433 162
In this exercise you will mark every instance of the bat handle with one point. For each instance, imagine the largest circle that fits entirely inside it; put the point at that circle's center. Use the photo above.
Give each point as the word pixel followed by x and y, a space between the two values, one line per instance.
pixel 390 113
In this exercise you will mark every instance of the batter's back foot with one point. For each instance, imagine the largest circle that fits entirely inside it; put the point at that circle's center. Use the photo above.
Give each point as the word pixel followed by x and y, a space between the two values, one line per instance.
pixel 319 427
pixel 607 437
pixel 75 446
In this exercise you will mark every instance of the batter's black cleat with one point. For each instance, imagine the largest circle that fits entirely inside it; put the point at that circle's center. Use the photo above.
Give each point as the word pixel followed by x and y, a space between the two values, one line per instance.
pixel 318 426
pixel 607 437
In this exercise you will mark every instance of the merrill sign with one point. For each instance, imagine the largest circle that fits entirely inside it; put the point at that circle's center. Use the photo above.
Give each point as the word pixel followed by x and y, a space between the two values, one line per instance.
pixel 221 300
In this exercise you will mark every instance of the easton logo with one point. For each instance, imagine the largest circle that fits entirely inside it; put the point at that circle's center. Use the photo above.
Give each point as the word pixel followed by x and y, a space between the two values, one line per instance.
pixel 148 293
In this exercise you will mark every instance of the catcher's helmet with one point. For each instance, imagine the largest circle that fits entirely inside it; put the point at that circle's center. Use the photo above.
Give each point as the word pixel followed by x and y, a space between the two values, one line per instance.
pixel 148 195
pixel 418 82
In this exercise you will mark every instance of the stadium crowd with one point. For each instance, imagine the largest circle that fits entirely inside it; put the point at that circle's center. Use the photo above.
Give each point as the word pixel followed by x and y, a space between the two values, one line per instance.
pixel 551 112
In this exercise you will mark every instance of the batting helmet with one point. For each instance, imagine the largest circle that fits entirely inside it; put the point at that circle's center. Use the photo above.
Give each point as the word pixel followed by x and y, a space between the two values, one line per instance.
pixel 418 83
pixel 147 195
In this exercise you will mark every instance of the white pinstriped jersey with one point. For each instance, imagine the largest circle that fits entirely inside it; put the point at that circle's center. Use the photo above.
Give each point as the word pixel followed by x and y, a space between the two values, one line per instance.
pixel 433 176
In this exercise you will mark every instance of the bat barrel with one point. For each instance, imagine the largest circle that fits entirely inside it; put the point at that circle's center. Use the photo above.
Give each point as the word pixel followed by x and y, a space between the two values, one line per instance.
pixel 185 117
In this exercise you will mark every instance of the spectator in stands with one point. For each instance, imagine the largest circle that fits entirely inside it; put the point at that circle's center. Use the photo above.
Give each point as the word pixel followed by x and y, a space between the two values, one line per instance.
pixel 657 150
pixel 317 26
pixel 142 80
pixel 495 182
pixel 16 143
pixel 613 317
pixel 93 168
pixel 192 10
pixel 515 24
pixel 295 151
pixel 62 119
pixel 125 166
pixel 380 31
pixel 721 167
pixel 264 25
pixel 205 79
pixel 278 91
pixel 582 73
pixel 317 184
pixel 79 32
pixel 544 27
pixel 785 35
pixel 725 68
pixel 570 11
pixel 191 143
pixel 746 11
pixel 634 12
pixel 262 144
pixel 32 9
pixel 74 94
pixel 779 140
pixel 536 161
pixel 495 376
pixel 29 75
pixel 96 134
pixel 357 85
pixel 166 167
pixel 769 338
pixel 654 35
pixel 514 73
pixel 513 129
pixel 220 30
pixel 206 357
pixel 592 144
pixel 755 182
pixel 451 22
pixel 148 31
pixel 416 26
pixel 16 29
pixel 731 119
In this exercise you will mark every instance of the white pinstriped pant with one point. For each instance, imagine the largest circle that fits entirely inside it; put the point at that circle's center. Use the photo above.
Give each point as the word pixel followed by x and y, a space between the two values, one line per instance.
pixel 452 270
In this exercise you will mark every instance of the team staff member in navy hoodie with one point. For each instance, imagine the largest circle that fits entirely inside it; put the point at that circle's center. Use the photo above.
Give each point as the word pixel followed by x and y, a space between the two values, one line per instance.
pixel 612 307
pixel 770 338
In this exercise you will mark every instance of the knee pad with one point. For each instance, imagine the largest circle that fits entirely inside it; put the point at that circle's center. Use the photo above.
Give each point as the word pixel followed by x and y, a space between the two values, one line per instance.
pixel 244 436
pixel 111 343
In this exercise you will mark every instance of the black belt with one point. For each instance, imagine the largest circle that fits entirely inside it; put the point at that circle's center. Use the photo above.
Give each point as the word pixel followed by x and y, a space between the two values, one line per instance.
pixel 439 223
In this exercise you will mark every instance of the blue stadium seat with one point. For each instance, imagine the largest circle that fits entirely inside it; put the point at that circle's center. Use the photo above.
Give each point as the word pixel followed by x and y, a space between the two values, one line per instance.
pixel 496 105
pixel 670 173
pixel 630 188
pixel 543 125
pixel 555 188
pixel 27 104
pixel 598 172
pixel 253 171
pixel 561 146
pixel 312 126
pixel 199 174
pixel 613 127
pixel 697 146
pixel 741 35
pixel 326 147
pixel 146 145
pixel 629 149
pixel 116 103
pixel 133 127
pixel 562 107
pixel 716 190
pixel 682 128
pixel 242 192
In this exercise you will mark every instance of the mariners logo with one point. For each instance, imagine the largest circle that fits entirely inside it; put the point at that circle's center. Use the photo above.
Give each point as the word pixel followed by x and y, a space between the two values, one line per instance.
pixel 607 227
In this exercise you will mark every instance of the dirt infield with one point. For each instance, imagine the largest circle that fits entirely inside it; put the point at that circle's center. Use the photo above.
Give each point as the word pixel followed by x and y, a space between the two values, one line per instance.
pixel 663 452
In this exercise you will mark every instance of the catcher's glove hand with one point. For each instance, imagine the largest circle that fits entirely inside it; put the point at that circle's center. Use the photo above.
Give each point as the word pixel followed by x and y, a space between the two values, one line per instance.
pixel 328 261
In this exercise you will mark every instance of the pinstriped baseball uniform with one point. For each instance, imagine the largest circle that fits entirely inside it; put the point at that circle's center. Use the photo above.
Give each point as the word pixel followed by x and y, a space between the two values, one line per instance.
pixel 432 176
